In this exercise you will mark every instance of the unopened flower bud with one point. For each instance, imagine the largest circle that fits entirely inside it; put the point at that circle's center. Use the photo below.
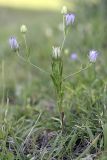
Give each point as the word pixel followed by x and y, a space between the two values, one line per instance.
pixel 64 10
pixel 66 51
pixel 23 29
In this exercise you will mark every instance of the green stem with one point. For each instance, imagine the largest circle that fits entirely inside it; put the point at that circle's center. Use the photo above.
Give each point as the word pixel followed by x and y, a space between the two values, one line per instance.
pixel 59 103
pixel 24 36
pixel 63 43
pixel 3 82
pixel 25 41
pixel 94 71
pixel 73 74
pixel 28 60
pixel 64 33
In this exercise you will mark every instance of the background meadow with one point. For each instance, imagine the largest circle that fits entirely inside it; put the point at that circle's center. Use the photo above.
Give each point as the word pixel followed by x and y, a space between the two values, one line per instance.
pixel 29 119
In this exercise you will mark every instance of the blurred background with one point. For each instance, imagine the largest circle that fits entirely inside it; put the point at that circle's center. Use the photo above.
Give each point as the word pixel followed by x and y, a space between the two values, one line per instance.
pixel 22 83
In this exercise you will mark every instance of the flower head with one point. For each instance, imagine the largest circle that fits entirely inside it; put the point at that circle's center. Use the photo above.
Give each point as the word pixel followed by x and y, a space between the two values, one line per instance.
pixel 64 10
pixel 93 54
pixel 69 18
pixel 56 52
pixel 23 29
pixel 13 43
pixel 74 56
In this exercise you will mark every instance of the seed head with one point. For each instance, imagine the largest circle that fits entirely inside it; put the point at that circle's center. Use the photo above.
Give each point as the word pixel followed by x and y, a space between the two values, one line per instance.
pixel 56 52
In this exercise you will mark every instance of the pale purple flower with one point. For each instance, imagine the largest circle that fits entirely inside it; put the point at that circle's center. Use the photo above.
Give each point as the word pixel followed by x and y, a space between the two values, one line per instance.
pixel 93 54
pixel 74 56
pixel 13 43
pixel 69 18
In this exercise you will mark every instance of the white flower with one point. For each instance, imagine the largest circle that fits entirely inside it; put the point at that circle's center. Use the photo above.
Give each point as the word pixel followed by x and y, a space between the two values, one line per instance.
pixel 56 52
pixel 64 10
pixel 23 29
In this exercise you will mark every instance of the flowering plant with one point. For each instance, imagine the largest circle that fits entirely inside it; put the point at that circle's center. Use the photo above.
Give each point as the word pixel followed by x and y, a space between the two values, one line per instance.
pixel 57 60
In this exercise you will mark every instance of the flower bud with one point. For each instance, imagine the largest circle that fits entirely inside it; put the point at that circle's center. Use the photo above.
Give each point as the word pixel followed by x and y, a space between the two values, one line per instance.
pixel 23 29
pixel 66 51
pixel 64 10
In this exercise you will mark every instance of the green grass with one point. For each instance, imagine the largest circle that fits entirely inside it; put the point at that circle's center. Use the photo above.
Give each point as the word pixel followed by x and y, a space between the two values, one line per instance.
pixel 29 120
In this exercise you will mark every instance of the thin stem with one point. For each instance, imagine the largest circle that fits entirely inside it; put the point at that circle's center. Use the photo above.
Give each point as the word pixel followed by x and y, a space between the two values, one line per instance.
pixel 42 70
pixel 94 70
pixel 73 74
pixel 24 36
pixel 25 41
pixel 22 58
pixel 3 82
pixel 63 43
pixel 64 34
pixel 28 60
pixel 62 121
